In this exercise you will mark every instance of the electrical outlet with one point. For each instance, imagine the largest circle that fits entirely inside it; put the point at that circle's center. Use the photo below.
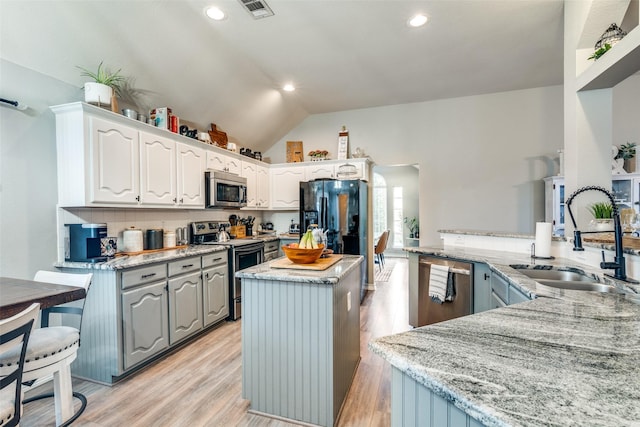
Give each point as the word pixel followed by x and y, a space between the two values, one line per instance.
pixel 349 301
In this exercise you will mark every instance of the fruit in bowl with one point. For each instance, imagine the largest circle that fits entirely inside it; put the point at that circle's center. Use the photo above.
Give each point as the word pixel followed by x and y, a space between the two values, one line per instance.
pixel 305 252
pixel 302 255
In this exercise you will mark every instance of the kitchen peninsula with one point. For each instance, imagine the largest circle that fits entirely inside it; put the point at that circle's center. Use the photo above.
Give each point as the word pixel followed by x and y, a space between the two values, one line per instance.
pixel 300 339
pixel 565 357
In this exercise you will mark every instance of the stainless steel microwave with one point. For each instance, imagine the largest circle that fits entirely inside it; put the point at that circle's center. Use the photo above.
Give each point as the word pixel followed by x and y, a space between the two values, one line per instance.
pixel 225 190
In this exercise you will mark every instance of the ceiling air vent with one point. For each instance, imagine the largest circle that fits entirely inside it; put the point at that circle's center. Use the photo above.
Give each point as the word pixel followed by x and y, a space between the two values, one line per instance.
pixel 257 8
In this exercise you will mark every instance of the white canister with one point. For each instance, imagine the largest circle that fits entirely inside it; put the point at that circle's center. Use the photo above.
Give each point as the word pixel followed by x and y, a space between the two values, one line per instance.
pixel 132 240
pixel 169 239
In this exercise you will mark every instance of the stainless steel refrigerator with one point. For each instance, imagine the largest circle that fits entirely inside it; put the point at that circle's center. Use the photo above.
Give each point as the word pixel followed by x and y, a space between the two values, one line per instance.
pixel 339 207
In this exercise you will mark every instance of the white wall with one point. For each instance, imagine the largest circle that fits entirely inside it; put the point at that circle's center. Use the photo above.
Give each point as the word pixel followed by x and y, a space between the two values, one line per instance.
pixel 481 158
pixel 28 191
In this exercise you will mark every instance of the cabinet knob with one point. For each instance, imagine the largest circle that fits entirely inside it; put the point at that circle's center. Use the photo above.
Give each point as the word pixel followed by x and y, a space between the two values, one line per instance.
pixel 181 200
pixel 486 276
pixel 175 200
pixel 138 198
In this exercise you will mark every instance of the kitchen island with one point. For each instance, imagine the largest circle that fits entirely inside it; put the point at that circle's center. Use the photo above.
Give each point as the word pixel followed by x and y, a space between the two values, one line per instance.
pixel 300 339
pixel 564 358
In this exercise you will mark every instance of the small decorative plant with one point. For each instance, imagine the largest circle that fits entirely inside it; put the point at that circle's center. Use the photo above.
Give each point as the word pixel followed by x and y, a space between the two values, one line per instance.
pixel 412 225
pixel 318 154
pixel 598 53
pixel 601 210
pixel 627 151
pixel 105 77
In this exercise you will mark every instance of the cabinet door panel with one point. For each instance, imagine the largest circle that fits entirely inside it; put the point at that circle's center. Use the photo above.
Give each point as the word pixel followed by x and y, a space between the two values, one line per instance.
pixel 285 183
pixel 185 306
pixel 249 171
pixel 145 328
pixel 115 163
pixel 190 175
pixel 158 170
pixel 215 294
pixel 481 287
pixel 264 194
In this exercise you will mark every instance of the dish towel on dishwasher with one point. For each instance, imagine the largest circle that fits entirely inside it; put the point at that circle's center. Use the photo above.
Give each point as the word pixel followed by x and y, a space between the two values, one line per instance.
pixel 441 284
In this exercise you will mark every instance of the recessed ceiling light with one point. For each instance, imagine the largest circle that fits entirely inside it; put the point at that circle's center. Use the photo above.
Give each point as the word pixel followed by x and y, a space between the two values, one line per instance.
pixel 418 20
pixel 215 13
pixel 288 87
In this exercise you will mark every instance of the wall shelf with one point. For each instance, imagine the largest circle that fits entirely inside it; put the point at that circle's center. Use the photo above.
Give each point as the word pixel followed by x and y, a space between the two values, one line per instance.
pixel 622 61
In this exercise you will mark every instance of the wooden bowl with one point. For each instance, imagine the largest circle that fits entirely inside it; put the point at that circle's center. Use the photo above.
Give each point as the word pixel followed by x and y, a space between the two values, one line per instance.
pixel 303 256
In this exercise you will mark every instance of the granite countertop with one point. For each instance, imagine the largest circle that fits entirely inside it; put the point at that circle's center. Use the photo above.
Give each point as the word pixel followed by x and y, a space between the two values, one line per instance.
pixel 131 261
pixel 495 234
pixel 330 276
pixel 564 358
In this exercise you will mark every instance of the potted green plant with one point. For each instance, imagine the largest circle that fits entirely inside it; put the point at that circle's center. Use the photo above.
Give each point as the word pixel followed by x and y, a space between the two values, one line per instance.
pixel 105 85
pixel 412 225
pixel 603 216
pixel 627 152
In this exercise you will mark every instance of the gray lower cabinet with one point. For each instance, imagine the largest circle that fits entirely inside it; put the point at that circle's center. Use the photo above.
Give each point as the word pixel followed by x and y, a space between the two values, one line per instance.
pixel 145 322
pixel 215 287
pixel 185 306
pixel 481 287
pixel 134 315
pixel 271 250
pixel 492 290
pixel 414 405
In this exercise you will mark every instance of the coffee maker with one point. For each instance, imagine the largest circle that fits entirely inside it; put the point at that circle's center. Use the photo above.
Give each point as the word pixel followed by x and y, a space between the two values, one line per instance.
pixel 82 242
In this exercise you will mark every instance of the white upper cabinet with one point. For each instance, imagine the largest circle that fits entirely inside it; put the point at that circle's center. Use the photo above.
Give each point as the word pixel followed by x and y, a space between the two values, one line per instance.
pixel 220 162
pixel 190 169
pixel 257 184
pixel 263 186
pixel 115 163
pixel 105 159
pixel 285 186
pixel 318 170
pixel 249 171
pixel 157 170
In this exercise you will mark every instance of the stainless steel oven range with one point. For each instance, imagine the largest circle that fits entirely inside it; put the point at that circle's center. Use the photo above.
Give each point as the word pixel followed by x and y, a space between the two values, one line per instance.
pixel 243 253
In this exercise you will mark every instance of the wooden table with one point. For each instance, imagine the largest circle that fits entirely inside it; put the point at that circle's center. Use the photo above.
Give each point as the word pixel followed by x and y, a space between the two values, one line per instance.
pixel 18 294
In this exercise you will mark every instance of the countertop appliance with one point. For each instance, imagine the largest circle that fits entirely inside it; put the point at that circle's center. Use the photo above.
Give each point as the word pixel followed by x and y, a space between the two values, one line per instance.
pixel 243 253
pixel 225 190
pixel 423 310
pixel 294 228
pixel 82 242
pixel 339 208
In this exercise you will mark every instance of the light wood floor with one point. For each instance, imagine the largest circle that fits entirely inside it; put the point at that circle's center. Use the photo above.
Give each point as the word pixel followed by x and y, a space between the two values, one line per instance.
pixel 200 385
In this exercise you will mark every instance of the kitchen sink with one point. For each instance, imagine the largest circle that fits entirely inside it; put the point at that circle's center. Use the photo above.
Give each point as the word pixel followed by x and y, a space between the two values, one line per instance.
pixel 558 275
pixel 578 285
pixel 565 279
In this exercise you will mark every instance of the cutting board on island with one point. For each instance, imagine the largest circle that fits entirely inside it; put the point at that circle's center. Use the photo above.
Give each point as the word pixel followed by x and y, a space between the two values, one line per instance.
pixel 319 265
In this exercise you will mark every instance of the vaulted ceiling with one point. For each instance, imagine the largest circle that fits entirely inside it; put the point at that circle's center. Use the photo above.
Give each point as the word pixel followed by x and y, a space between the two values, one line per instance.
pixel 341 54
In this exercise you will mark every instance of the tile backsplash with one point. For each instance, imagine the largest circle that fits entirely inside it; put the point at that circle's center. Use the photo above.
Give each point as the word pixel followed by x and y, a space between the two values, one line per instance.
pixel 118 220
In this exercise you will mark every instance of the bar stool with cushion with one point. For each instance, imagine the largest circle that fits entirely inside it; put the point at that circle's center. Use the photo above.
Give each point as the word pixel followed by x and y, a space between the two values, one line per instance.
pixel 51 350
pixel 14 337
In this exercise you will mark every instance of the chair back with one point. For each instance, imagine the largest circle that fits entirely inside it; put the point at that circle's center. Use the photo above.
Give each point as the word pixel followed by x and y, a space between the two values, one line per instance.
pixel 382 242
pixel 67 279
pixel 14 332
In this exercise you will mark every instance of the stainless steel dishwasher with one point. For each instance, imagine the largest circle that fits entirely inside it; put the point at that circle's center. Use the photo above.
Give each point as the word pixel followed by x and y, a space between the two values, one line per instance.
pixel 423 310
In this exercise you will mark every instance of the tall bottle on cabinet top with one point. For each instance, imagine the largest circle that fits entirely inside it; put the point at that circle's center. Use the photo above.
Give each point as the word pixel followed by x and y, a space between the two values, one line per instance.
pixel 343 143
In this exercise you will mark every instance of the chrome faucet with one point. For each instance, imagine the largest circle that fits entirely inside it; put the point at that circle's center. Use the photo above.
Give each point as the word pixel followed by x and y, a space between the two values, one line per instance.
pixel 618 265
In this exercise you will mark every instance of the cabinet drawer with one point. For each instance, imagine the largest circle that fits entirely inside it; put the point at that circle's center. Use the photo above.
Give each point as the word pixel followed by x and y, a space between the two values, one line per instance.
pixel 500 287
pixel 216 258
pixel 139 276
pixel 184 266
pixel 271 246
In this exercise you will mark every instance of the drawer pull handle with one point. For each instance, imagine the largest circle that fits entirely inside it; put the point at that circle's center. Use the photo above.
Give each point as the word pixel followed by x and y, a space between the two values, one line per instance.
pixel 146 276
pixel 217 259
pixel 187 265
